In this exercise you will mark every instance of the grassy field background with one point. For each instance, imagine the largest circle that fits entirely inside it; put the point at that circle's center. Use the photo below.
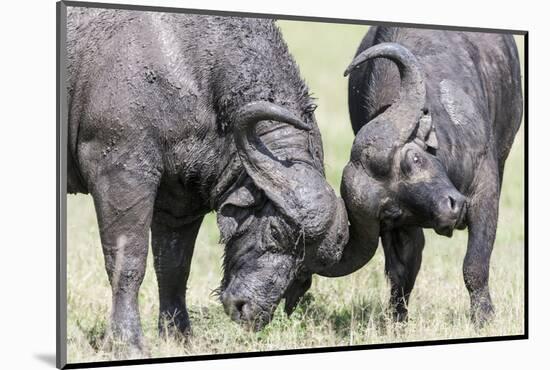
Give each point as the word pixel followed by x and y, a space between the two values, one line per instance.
pixel 336 312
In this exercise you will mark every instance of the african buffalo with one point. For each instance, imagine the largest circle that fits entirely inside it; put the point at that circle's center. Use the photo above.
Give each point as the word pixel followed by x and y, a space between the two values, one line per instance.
pixel 435 114
pixel 172 116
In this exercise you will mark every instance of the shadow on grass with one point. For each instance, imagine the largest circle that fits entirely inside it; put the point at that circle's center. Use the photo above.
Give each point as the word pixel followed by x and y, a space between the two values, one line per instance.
pixel 458 319
pixel 359 315
pixel 95 334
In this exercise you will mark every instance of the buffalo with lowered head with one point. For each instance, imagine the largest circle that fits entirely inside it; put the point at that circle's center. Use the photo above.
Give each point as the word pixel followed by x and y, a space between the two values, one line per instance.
pixel 172 116
pixel 435 114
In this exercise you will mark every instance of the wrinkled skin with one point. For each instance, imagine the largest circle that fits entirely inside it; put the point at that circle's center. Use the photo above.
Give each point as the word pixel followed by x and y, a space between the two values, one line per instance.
pixel 434 125
pixel 172 116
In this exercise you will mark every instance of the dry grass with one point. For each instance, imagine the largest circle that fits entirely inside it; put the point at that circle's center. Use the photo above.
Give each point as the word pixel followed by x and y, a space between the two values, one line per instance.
pixel 336 312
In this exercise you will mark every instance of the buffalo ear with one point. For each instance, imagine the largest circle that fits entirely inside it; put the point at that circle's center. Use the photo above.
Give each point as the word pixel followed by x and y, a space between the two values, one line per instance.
pixel 374 146
pixel 236 209
pixel 426 131
pixel 295 293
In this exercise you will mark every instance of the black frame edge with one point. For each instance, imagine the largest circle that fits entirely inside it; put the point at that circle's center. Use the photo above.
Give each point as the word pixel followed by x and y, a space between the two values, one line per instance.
pixel 225 356
pixel 288 17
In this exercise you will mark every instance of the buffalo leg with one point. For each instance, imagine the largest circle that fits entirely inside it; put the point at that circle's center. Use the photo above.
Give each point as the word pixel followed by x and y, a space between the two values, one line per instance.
pixel 403 254
pixel 482 224
pixel 173 250
pixel 124 206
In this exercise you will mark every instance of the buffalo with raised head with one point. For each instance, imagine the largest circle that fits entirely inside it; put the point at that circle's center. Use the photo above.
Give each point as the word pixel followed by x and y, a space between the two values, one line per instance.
pixel 172 116
pixel 435 114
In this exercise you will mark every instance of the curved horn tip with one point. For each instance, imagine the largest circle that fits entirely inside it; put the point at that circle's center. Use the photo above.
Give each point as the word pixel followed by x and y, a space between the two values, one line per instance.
pixel 264 110
pixel 290 117
pixel 302 125
pixel 298 123
pixel 353 65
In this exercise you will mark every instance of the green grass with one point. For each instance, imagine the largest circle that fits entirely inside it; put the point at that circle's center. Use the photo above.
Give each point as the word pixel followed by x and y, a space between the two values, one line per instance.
pixel 336 312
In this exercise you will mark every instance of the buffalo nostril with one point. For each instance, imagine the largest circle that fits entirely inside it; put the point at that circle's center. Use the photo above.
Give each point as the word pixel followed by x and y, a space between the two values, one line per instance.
pixel 233 306
pixel 239 304
pixel 452 203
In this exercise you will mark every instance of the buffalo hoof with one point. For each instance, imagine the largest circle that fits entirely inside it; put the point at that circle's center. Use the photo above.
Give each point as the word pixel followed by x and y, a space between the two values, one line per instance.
pixel 400 316
pixel 174 322
pixel 482 313
pixel 398 309
pixel 137 352
pixel 125 348
pixel 174 328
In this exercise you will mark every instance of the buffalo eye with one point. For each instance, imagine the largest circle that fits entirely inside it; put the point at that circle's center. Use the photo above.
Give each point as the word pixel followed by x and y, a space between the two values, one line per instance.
pixel 272 237
pixel 414 158
pixel 275 235
pixel 411 161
